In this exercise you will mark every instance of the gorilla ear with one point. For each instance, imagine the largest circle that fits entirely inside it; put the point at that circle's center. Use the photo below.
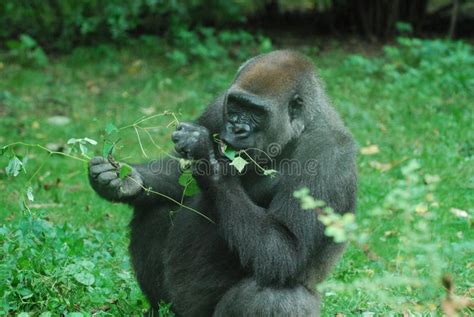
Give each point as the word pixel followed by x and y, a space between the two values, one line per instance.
pixel 295 107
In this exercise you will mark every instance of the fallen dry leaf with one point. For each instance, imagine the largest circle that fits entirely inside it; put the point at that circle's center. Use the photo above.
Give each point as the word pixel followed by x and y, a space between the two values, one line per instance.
pixel 431 179
pixel 59 120
pixel 382 167
pixel 148 111
pixel 135 67
pixel 389 233
pixel 460 213
pixel 421 209
pixel 370 150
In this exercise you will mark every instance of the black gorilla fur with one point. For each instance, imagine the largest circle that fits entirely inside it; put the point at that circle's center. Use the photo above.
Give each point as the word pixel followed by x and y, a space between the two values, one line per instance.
pixel 263 255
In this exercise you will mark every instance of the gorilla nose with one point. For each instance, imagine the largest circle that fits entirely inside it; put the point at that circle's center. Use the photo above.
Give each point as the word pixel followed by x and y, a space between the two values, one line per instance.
pixel 241 130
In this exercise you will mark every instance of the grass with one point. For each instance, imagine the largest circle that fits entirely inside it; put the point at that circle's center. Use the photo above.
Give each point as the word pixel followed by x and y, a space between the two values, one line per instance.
pixel 67 254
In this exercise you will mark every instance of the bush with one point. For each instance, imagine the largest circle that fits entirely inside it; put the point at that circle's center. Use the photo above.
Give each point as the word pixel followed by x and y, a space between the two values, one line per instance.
pixel 424 64
pixel 206 43
pixel 61 25
pixel 411 282
pixel 51 260
pixel 27 52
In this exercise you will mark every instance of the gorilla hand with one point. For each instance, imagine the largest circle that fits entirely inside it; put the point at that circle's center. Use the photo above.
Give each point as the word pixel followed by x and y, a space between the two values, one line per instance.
pixel 193 141
pixel 104 178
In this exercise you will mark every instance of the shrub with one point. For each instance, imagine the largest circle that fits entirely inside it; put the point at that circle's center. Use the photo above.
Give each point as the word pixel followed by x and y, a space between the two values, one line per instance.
pixel 426 64
pixel 55 268
pixel 61 25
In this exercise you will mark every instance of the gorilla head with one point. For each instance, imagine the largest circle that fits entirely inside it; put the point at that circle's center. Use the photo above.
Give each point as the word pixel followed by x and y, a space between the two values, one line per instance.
pixel 265 104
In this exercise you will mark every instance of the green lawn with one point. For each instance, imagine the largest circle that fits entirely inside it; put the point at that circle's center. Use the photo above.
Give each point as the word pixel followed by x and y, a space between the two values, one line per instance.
pixel 66 251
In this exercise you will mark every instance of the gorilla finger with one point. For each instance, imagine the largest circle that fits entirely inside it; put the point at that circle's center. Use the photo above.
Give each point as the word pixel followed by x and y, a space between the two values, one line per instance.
pixel 136 177
pixel 97 160
pixel 176 136
pixel 181 144
pixel 129 190
pixel 115 183
pixel 95 170
pixel 106 177
pixel 184 153
pixel 187 126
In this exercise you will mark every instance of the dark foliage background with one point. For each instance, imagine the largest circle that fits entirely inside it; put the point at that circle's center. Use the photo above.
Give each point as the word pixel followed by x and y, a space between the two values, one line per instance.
pixel 61 25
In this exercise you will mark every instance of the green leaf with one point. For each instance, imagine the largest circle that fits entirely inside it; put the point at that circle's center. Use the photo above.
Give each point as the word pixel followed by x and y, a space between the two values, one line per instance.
pixel 29 194
pixel 14 167
pixel 40 57
pixel 239 163
pixel 185 178
pixel 192 189
pixel 87 264
pixel 106 148
pixel 110 128
pixel 190 185
pixel 230 153
pixel 411 167
pixel 13 44
pixel 125 170
pixel 338 234
pixel 306 200
pixel 85 278
pixel 300 193
pixel 83 149
pixel 90 141
pixel 27 41
pixel 270 173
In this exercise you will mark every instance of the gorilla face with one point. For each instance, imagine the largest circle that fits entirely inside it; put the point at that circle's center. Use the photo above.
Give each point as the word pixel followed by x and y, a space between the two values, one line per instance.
pixel 244 117
pixel 254 122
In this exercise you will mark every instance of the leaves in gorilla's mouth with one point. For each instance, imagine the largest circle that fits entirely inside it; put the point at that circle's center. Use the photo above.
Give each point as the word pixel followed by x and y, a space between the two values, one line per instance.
pixel 223 148
pixel 236 159
pixel 232 154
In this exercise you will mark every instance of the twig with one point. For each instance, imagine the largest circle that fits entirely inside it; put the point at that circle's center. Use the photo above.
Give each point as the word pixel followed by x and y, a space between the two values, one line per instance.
pixel 140 141
pixel 149 190
pixel 110 157
pixel 43 148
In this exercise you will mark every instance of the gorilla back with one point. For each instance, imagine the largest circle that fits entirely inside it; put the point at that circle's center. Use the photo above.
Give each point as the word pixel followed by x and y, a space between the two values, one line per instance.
pixel 263 254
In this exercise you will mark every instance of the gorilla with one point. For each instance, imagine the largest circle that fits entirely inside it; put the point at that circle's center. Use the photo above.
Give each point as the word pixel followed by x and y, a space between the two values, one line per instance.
pixel 262 254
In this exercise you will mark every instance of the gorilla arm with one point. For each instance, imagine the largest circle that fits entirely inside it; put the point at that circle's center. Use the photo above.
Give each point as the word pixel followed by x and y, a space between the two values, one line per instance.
pixel 160 176
pixel 277 242
pixel 283 243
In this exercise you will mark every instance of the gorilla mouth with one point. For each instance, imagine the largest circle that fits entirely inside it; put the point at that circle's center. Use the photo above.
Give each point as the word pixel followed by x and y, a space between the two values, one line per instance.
pixel 227 150
pixel 225 146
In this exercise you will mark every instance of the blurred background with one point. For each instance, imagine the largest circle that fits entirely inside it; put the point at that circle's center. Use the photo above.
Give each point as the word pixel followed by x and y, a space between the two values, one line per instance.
pixel 79 76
